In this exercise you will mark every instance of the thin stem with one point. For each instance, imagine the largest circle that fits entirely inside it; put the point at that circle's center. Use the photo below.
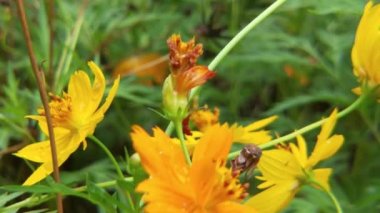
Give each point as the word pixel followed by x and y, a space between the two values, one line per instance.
pixel 335 201
pixel 44 97
pixel 109 154
pixel 330 194
pixel 169 129
pixel 244 32
pixel 178 127
pixel 103 184
pixel 309 127
pixel 51 41
pixel 238 37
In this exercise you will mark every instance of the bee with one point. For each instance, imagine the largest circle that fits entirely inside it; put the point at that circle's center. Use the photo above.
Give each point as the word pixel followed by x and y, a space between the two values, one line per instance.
pixel 247 160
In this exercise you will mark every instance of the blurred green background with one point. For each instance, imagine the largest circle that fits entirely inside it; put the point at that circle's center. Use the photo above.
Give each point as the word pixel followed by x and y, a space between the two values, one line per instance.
pixel 296 64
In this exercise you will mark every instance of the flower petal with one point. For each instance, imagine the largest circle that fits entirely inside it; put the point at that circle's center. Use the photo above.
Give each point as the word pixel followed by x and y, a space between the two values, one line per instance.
pixel 327 127
pixel 260 123
pixel 98 115
pixel 322 177
pixel 214 144
pixel 279 165
pixel 159 156
pixel 275 198
pixel 232 207
pixel 325 149
pixel 40 152
pixel 300 151
pixel 191 78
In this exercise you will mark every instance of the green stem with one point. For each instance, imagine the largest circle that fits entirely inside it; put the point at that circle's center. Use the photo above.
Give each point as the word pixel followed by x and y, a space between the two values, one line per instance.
pixel 244 32
pixel 336 202
pixel 103 184
pixel 238 37
pixel 178 127
pixel 169 128
pixel 309 127
pixel 330 194
pixel 109 154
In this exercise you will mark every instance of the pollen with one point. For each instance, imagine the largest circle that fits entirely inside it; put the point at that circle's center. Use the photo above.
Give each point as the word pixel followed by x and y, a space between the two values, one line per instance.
pixel 204 118
pixel 233 189
pixel 60 109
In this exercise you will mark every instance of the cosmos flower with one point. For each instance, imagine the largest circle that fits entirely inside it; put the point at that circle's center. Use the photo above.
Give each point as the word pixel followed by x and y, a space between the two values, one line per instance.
pixel 366 50
pixel 284 171
pixel 74 117
pixel 205 186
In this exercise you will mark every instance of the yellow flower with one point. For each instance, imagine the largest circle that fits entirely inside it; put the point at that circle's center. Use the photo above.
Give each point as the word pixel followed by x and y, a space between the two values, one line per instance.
pixel 366 50
pixel 74 117
pixel 204 118
pixel 285 171
pixel 174 186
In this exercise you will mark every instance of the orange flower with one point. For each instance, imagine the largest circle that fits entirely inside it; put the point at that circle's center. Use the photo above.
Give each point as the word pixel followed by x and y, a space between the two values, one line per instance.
pixel 183 55
pixel 175 186
pixel 185 75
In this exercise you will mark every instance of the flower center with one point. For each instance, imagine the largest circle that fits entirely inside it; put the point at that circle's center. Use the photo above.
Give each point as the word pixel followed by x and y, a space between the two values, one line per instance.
pixel 60 110
pixel 229 186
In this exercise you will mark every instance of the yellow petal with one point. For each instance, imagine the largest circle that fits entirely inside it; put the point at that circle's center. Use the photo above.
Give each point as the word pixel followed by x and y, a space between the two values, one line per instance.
pixel 322 177
pixel 80 91
pixel 300 151
pixel 46 169
pixel 275 198
pixel 257 137
pixel 279 165
pixel 100 112
pixel 40 152
pixel 327 127
pixel 261 123
pixel 365 55
pixel 325 149
pixel 36 152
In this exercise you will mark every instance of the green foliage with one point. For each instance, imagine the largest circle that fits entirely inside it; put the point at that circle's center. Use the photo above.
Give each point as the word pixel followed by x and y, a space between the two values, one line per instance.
pixel 311 39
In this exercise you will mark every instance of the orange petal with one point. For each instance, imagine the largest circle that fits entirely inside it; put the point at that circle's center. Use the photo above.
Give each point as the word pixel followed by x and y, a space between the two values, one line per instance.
pixel 214 144
pixel 191 78
pixel 233 207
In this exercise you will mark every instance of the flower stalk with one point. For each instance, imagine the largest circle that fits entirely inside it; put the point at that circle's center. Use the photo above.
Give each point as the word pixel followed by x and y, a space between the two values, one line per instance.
pixel 178 127
pixel 43 95
pixel 109 155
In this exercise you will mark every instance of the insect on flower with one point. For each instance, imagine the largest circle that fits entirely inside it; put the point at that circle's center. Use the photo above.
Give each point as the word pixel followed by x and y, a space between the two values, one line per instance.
pixel 247 160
